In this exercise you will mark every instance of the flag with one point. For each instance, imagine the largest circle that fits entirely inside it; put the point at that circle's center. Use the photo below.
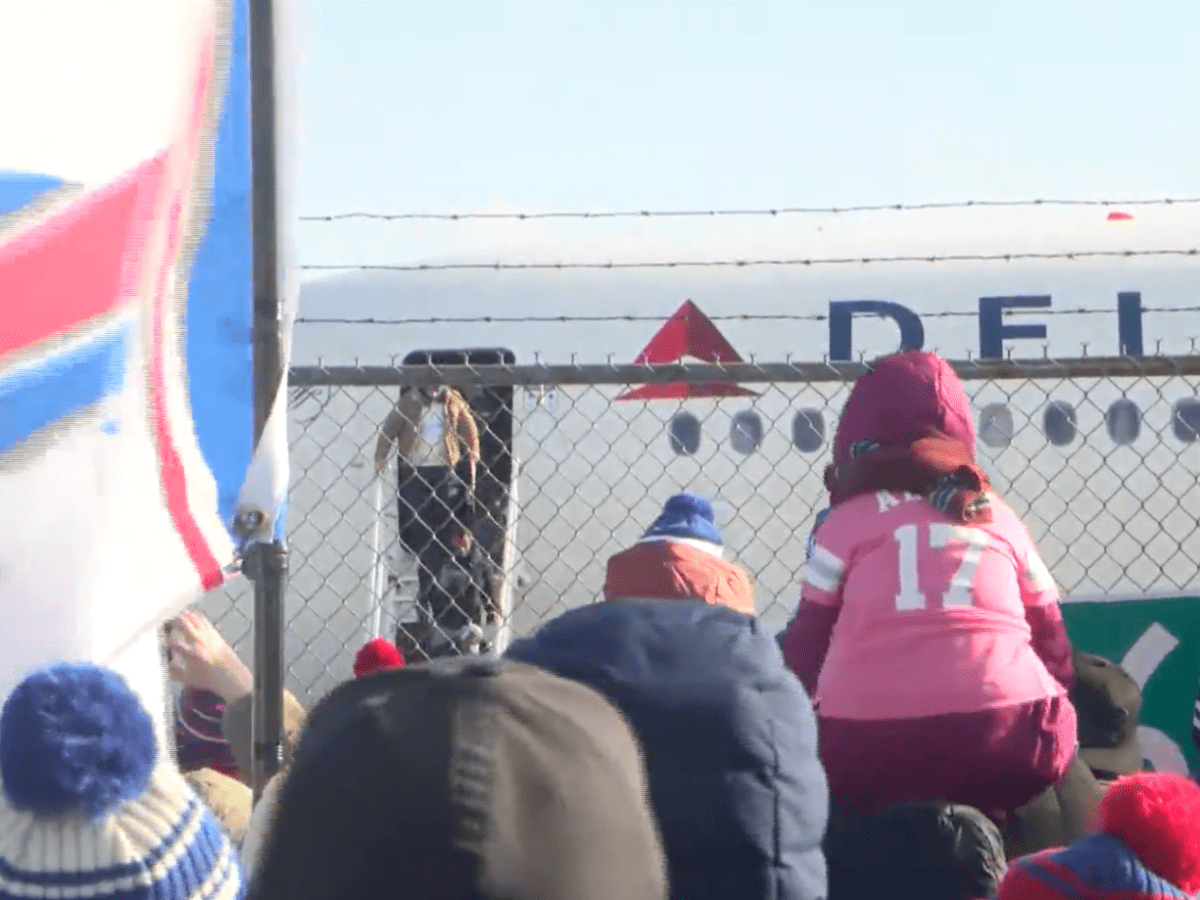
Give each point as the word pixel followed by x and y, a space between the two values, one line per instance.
pixel 126 437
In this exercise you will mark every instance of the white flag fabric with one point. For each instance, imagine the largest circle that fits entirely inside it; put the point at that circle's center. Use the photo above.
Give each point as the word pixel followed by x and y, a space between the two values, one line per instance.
pixel 126 406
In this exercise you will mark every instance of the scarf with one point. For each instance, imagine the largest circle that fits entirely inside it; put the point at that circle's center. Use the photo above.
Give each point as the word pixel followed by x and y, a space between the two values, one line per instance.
pixel 936 467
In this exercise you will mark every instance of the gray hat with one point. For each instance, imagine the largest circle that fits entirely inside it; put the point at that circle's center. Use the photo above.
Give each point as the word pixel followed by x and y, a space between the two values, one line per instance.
pixel 464 778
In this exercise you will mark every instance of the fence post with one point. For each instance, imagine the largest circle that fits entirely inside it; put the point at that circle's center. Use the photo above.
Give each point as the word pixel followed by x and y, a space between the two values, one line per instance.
pixel 266 563
pixel 266 566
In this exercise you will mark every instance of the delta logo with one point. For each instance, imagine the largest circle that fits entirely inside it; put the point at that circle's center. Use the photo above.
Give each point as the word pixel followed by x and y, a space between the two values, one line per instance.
pixel 688 335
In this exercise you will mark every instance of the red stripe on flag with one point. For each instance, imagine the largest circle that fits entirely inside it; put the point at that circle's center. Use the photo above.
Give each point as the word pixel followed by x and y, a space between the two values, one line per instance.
pixel 172 473
pixel 62 272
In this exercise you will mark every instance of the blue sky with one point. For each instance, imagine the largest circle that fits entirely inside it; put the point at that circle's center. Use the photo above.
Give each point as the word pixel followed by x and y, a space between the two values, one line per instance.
pixel 442 105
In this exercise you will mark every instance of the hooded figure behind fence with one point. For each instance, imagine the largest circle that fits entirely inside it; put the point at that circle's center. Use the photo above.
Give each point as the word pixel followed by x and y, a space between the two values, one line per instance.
pixel 928 626
pixel 465 778
pixel 728 735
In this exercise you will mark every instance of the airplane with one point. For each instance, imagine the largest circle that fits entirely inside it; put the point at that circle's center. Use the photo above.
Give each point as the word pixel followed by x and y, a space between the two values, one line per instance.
pixel 1101 469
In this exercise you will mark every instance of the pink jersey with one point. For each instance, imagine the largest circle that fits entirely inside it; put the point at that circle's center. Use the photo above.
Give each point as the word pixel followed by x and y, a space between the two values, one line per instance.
pixel 932 613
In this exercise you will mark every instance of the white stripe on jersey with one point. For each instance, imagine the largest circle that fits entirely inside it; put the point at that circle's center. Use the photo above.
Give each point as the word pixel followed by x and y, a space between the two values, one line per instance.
pixel 1038 574
pixel 824 570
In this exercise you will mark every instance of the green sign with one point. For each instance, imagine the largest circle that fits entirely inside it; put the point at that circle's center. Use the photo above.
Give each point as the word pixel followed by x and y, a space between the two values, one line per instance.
pixel 1158 642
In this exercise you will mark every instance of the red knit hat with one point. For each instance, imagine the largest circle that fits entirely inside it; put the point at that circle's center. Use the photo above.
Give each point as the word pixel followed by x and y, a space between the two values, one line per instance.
pixel 375 656
pixel 1146 847
pixel 1157 816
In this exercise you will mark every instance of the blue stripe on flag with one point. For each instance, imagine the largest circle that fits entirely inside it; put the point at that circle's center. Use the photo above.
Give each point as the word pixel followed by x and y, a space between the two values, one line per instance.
pixel 67 382
pixel 19 189
pixel 220 358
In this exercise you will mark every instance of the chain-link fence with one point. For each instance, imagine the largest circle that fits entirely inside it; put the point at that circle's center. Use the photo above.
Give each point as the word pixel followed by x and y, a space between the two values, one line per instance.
pixel 1099 457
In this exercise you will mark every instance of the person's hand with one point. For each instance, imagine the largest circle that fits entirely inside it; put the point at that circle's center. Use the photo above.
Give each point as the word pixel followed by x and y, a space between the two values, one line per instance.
pixel 200 658
pixel 381 456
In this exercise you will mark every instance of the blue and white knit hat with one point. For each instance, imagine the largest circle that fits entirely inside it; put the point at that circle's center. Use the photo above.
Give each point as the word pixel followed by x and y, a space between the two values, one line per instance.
pixel 686 517
pixel 89 806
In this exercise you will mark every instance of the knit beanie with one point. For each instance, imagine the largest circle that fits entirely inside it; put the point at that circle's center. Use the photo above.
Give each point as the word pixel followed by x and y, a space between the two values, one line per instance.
pixel 91 808
pixel 688 517
pixel 1146 847
pixel 375 656
pixel 228 800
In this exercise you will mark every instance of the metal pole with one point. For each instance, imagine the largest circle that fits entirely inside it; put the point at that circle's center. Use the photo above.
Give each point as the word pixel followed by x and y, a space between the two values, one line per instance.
pixel 266 566
pixel 265 563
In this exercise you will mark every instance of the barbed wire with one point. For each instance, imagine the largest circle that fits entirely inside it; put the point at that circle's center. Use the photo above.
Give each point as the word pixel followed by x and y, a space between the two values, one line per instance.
pixel 753 263
pixel 766 212
pixel 736 317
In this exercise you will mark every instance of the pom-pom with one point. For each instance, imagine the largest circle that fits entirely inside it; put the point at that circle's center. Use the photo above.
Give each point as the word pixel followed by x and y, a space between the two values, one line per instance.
pixel 1157 816
pixel 75 738
pixel 375 656
pixel 686 506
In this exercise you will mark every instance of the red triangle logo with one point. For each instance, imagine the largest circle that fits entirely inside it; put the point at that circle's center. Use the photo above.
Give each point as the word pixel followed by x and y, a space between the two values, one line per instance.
pixel 688 333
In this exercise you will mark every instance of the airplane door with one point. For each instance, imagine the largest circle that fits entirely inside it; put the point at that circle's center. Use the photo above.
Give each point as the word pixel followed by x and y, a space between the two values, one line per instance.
pixel 493 521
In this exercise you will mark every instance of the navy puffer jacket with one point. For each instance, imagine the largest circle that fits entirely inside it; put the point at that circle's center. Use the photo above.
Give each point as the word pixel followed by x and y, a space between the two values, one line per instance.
pixel 728 733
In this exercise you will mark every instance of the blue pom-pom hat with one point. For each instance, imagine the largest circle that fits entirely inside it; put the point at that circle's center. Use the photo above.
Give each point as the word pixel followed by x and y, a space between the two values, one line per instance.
pixel 688 518
pixel 680 557
pixel 89 808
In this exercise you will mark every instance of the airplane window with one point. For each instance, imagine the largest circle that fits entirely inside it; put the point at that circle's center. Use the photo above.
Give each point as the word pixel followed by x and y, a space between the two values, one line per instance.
pixel 1124 421
pixel 746 432
pixel 808 430
pixel 1059 423
pixel 1186 420
pixel 685 434
pixel 996 426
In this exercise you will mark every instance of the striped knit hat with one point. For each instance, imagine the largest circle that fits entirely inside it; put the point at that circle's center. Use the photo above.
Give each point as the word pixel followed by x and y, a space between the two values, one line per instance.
pixel 687 517
pixel 1146 847
pixel 89 806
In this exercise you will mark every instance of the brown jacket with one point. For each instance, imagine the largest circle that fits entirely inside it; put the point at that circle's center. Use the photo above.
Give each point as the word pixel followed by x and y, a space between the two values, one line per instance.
pixel 400 429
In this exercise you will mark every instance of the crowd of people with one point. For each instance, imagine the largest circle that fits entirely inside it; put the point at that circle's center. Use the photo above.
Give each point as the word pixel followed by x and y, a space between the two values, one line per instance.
pixel 922 728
